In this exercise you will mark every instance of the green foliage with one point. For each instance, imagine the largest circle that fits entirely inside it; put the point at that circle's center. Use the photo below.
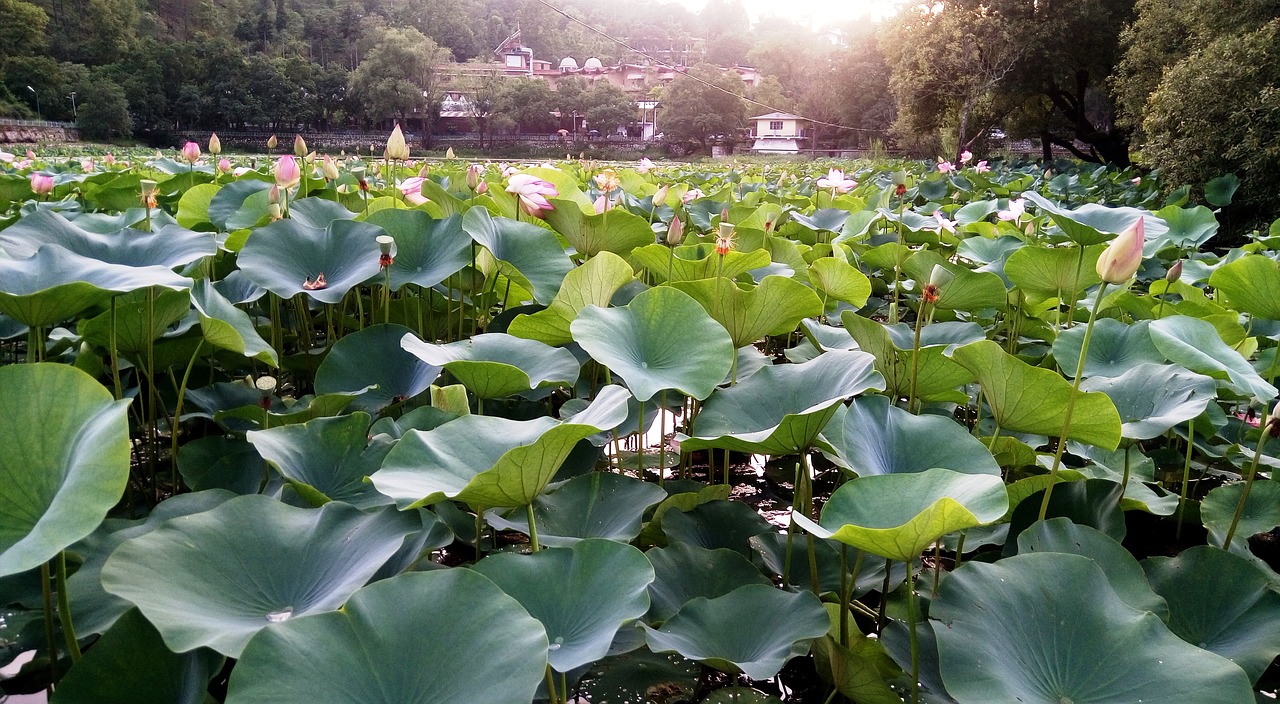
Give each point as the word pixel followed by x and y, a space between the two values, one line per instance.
pixel 697 112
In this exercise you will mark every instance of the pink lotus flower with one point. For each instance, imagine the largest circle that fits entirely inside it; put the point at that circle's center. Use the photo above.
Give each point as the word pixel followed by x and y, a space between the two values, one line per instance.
pixel 645 165
pixel 1136 180
pixel 508 171
pixel 412 190
pixel 224 165
pixel 966 156
pixel 6 157
pixel 532 192
pixel 31 155
pixel 603 204
pixel 1121 259
pixel 1017 207
pixel 287 172
pixel 981 167
pixel 943 222
pixel 41 184
pixel 109 159
pixel 691 195
pixel 86 165
pixel 945 167
pixel 191 152
pixel 836 181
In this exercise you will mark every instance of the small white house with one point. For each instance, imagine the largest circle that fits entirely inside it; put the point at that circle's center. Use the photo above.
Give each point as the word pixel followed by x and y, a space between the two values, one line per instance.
pixel 779 133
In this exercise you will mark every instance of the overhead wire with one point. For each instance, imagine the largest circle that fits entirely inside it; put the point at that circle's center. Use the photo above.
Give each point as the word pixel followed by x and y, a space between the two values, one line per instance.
pixel 709 84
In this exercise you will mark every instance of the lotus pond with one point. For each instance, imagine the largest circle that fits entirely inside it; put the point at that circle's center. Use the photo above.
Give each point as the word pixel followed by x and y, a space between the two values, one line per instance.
pixel 362 431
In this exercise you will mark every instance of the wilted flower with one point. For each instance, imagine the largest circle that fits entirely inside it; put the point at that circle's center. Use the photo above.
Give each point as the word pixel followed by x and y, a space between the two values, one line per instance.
pixel 836 181
pixel 274 212
pixel 938 278
pixel 966 156
pixel 532 192
pixel 607 180
pixel 1121 259
pixel 329 168
pixel 945 167
pixel 287 172
pixel 396 147
pixel 724 240
pixel 1017 207
pixel 191 152
pixel 215 144
pixel 644 165
pixel 272 142
pixel 315 284
pixel 900 190
pixel 41 184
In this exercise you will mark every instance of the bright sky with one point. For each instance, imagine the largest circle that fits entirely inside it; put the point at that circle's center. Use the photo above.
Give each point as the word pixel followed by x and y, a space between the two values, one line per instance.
pixel 815 13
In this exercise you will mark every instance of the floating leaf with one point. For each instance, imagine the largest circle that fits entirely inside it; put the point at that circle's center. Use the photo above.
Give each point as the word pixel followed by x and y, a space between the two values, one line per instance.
pixel 288 258
pixel 877 437
pixel 616 231
pixel 427 250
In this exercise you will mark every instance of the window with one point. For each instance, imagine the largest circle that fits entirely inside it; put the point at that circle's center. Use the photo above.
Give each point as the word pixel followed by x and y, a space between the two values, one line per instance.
pixel 775 126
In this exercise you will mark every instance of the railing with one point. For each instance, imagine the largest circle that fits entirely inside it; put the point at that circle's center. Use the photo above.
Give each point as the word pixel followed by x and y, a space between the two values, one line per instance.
pixel 5 121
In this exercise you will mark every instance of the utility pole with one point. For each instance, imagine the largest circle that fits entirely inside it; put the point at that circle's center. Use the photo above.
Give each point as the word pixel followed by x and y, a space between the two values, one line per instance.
pixel 39 114
pixel 75 114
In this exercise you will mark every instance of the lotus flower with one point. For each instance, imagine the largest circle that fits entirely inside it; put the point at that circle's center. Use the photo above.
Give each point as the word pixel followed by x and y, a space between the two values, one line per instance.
pixel 945 167
pixel 645 165
pixel 224 165
pixel 299 146
pixel 215 144
pixel 287 172
pixel 6 157
pixel 1017 207
pixel 981 167
pixel 943 222
pixel 1174 273
pixel 675 232
pixel 532 192
pixel 329 167
pixel 836 181
pixel 191 152
pixel 41 184
pixel 1121 259
pixel 691 195
pixel 412 190
pixel 660 196
pixel 86 165
pixel 602 204
pixel 109 159
pixel 396 147
pixel 966 156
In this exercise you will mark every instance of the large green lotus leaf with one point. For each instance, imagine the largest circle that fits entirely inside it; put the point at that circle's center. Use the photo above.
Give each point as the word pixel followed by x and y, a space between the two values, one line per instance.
pixel 1123 573
pixel 1048 628
pixel 694 262
pixel 490 462
pixel 495 364
pixel 581 594
pixel 1250 284
pixel 685 572
pixel 1092 223
pixel 593 505
pixel 628 676
pixel 593 283
pixel 65 460
pixel 326 459
pixel 318 212
pixel 109 673
pixel 227 327
pixel 283 256
pixel 215 578
pixel 716 524
pixel 193 206
pixel 527 253
pixel 714 632
pixel 965 290
pixel 1189 228
pixel 899 515
pixel 220 462
pixel 428 251
pixel 397 375
pixel 170 246
pixel 141 318
pixel 254 416
pixel 616 231
pixel 877 437
pixel 1195 344
pixel 781 409
pixel 1261 513
pixel 54 284
pixel 662 339
pixel 1114 348
pixel 838 280
pixel 420 638
pixel 1152 398
pixel 1054 272
pixel 773 307
pixel 938 375
pixel 93 609
pixel 1027 399
pixel 1220 602
pixel 231 199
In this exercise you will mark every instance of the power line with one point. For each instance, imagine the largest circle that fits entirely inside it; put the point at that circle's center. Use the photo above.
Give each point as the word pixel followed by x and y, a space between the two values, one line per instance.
pixel 704 82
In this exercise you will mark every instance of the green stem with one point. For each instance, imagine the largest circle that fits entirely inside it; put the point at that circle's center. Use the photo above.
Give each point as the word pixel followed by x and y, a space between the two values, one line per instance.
pixel 551 686
pixel 533 529
pixel 1186 476
pixel 1248 486
pixel 64 607
pixel 46 592
pixel 1075 291
pixel 915 359
pixel 662 437
pixel 640 443
pixel 115 356
pixel 915 644
pixel 177 414
pixel 1071 401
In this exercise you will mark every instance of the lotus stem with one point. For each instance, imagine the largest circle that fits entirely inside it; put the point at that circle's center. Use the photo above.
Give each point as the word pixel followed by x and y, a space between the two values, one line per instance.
pixel 884 594
pixel 64 607
pixel 386 301
pixel 1071 401
pixel 50 642
pixel 177 415
pixel 551 686
pixel 915 359
pixel 479 532
pixel 1186 476
pixel 1248 486
pixel 915 640
pixel 533 528
pixel 1124 482
pixel 1071 306
pixel 662 437
pixel 640 442
pixel 115 356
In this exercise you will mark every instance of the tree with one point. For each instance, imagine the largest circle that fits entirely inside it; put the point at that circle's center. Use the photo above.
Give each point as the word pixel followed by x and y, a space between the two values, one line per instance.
pixel 608 107
pixel 524 104
pixel 103 107
pixel 398 77
pixel 696 111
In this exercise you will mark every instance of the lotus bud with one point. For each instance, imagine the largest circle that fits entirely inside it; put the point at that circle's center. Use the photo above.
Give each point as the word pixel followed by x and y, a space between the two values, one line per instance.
pixel 1273 422
pixel 675 232
pixel 425 171
pixel 287 172
pixel 473 176
pixel 483 187
pixel 1174 273
pixel 1121 259
pixel 299 146
pixel 159 154
pixel 385 244
pixel 310 158
pixel 448 153
pixel 329 168
pixel 273 195
pixel 724 215
pixel 31 154
pixel 272 142
pixel 224 165
pixel 191 152
pixel 938 278
pixel 109 159
pixel 41 184
pixel 396 147
pixel 274 211
pixel 660 196
pixel 215 144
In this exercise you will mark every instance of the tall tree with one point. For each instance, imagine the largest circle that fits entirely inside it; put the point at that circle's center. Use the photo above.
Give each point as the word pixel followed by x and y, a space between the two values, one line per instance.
pixel 399 77
pixel 695 111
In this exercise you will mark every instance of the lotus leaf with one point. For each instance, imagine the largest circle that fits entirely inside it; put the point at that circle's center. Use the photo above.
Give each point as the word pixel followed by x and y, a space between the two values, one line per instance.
pixel 714 525
pixel 1195 344
pixel 1251 284
pixel 877 437
pixel 593 505
pixel 169 246
pixel 398 374
pixel 685 572
pixel 287 257
pixel 1152 398
pixel 227 327
pixel 1114 348
pixel 693 262
pixel 1054 272
pixel 774 307
pixel 593 283
pixel 493 365
pixel 529 254
pixel 427 251
pixel 616 231
pixel 837 280
pixel 326 459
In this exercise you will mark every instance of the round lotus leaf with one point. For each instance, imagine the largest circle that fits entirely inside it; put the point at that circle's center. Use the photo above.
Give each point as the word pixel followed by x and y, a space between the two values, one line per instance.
pixel 287 258
pixel 781 409
pixel 754 629
pixel 494 365
pixel 397 375
pixel 593 505
pixel 1152 398
pixel 428 251
pixel 716 524
pixel 326 459
pixel 215 578
pixel 65 461
pixel 685 572
pixel 1114 348
pixel 1195 344
pixel 662 339
pixel 877 437
pixel 532 256
pixel 420 638
pixel 169 246
pixel 1047 628
pixel 899 515
pixel 581 594
pixel 775 306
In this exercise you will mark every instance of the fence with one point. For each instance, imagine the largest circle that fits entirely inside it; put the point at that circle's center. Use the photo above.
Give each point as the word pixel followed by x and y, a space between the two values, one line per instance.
pixel 9 122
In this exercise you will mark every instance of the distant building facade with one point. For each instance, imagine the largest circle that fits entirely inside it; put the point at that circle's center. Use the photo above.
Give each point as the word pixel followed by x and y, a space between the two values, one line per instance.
pixel 780 133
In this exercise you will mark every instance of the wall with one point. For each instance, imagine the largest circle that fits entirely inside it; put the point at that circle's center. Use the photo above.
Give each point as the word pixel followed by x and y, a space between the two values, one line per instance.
pixel 31 131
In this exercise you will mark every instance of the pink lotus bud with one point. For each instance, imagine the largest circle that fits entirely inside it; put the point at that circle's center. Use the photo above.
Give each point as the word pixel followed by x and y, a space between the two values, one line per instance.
pixel 224 165
pixel 1121 259
pixel 675 232
pixel 329 168
pixel 41 184
pixel 31 154
pixel 273 194
pixel 483 187
pixel 109 159
pixel 660 196
pixel 215 144
pixel 474 172
pixel 287 172
pixel 299 146
pixel 191 152
pixel 1174 273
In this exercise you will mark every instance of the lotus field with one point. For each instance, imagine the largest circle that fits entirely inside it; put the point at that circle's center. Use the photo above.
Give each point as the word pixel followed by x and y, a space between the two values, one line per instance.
pixel 297 430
